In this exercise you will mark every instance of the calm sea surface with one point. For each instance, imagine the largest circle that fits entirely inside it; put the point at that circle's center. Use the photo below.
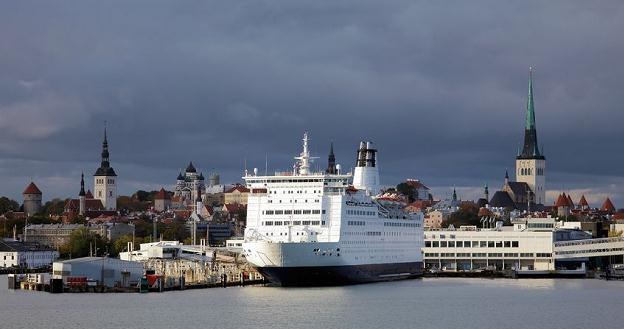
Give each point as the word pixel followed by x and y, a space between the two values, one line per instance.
pixel 421 303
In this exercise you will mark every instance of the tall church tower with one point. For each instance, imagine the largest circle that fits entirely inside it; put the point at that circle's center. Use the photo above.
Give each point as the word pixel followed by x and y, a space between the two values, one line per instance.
pixel 531 163
pixel 105 186
pixel 82 197
pixel 331 161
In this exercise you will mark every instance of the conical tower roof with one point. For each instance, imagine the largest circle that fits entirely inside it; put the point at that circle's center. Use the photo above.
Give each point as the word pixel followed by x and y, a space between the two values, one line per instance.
pixel 570 202
pixel 162 195
pixel 607 205
pixel 32 189
pixel 583 202
pixel 562 201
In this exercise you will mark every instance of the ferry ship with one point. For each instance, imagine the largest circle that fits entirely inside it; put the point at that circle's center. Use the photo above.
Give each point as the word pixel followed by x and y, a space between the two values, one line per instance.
pixel 308 228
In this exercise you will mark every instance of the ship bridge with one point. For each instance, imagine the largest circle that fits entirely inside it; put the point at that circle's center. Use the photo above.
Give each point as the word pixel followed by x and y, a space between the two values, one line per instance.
pixel 589 248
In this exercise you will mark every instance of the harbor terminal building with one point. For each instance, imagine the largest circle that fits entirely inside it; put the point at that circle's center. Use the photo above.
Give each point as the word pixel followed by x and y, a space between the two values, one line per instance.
pixel 527 245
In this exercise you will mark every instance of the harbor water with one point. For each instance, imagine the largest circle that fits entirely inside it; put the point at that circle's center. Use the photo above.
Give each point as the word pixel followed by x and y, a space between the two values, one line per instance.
pixel 420 303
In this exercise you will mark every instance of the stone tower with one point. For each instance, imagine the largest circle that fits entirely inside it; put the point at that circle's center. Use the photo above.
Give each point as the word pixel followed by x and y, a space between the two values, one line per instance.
pixel 531 163
pixel 105 185
pixel 32 199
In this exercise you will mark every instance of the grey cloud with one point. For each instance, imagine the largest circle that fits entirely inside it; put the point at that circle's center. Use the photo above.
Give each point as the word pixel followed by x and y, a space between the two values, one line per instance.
pixel 439 86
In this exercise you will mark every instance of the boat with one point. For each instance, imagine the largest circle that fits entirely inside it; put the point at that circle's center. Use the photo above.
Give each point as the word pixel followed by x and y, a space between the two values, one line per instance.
pixel 307 228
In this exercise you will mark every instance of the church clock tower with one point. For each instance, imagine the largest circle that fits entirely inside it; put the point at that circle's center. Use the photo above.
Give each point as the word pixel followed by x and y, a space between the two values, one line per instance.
pixel 531 163
pixel 105 185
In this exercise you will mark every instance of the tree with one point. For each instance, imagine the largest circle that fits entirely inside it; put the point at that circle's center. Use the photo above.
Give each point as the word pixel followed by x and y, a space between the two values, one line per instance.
pixel 141 196
pixel 121 244
pixel 466 215
pixel 142 228
pixel 39 219
pixel 175 231
pixel 408 190
pixel 82 241
pixel 7 204
pixel 53 207
pixel 132 203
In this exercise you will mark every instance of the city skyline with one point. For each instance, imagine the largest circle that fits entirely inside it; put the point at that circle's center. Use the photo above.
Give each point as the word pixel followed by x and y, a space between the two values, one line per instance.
pixel 224 90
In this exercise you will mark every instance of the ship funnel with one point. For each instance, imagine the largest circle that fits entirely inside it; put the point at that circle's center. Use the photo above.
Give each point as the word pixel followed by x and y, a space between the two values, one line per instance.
pixel 366 175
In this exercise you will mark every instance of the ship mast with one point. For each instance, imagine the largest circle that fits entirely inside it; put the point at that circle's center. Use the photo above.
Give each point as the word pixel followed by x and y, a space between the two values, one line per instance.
pixel 304 157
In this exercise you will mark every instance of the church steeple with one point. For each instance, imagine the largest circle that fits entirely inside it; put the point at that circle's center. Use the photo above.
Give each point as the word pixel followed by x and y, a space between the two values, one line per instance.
pixel 331 161
pixel 105 168
pixel 82 190
pixel 530 150
pixel 105 154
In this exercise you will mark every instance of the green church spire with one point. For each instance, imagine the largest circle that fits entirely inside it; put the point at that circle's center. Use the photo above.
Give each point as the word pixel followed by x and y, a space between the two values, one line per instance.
pixel 530 115
pixel 530 150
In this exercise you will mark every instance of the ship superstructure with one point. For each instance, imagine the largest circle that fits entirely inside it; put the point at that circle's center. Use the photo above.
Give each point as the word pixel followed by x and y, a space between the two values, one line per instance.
pixel 321 228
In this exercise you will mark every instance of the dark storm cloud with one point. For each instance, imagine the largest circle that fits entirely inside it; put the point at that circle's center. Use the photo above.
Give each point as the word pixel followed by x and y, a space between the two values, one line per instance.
pixel 439 86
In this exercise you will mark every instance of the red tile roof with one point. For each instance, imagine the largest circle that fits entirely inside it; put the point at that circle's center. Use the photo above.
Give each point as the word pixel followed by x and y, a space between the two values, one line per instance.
pixel 162 195
pixel 583 202
pixel 570 202
pixel 422 204
pixel 89 195
pixel 607 205
pixel 562 201
pixel 416 183
pixel 32 189
pixel 90 205
pixel 484 212
pixel 233 207
pixel 239 188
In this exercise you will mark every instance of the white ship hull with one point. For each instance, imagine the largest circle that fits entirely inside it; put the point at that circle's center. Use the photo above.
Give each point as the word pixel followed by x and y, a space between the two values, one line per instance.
pixel 326 263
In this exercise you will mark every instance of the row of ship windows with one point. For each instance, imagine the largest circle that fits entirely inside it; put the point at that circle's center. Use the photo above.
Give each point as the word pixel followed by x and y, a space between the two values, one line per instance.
pixel 388 224
pixel 295 222
pixel 356 223
pixel 291 201
pixel 483 254
pixel 391 224
pixel 384 233
pixel 294 212
pixel 318 180
pixel 361 213
pixel 473 244
pixel 293 192
pixel 286 233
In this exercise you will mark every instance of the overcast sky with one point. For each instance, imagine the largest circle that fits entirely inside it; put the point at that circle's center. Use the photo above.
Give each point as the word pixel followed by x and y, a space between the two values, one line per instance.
pixel 439 86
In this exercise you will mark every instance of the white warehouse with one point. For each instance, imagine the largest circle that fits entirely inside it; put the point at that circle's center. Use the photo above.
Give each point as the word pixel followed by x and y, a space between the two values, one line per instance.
pixel 25 254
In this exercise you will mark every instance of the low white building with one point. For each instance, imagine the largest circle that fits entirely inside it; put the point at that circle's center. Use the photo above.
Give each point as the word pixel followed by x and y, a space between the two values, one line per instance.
pixel 234 245
pixel 25 255
pixel 166 250
pixel 526 246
